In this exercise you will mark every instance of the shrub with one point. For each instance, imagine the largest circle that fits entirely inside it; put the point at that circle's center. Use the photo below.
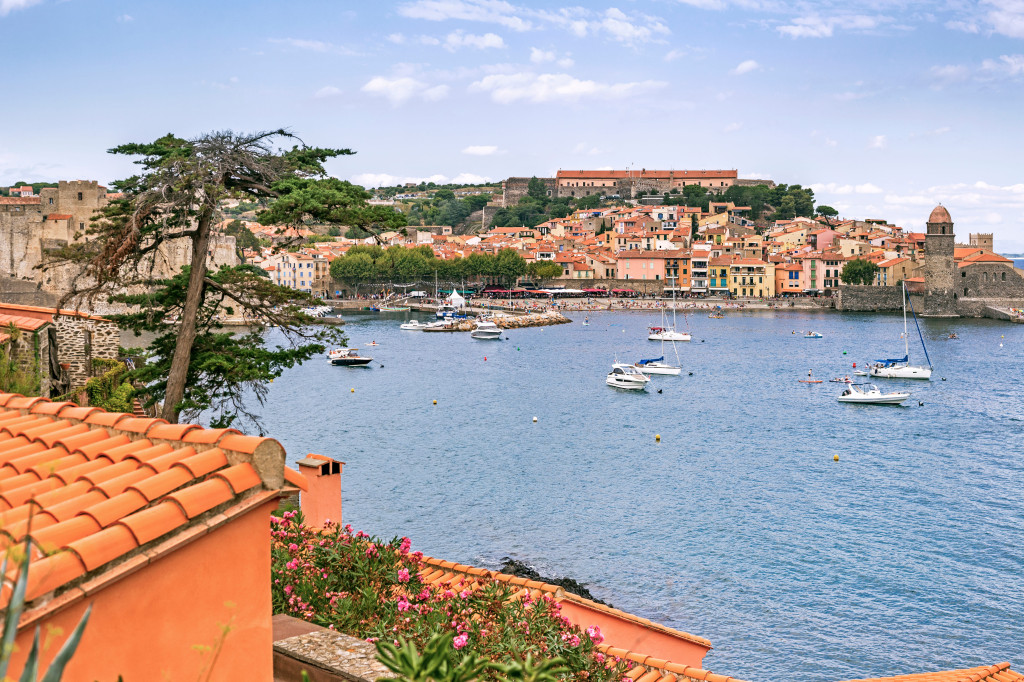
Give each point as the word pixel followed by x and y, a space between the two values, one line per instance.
pixel 372 589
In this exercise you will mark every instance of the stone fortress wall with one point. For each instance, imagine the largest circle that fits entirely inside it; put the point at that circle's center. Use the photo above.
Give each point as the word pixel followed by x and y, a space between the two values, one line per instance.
pixel 29 226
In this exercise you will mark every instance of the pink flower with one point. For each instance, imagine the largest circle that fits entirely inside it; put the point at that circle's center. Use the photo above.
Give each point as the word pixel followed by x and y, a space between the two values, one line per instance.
pixel 599 657
pixel 403 603
pixel 293 547
pixel 404 547
pixel 594 633
pixel 425 594
pixel 571 639
pixel 463 639
pixel 292 565
pixel 464 594
pixel 371 550
pixel 403 575
pixel 288 589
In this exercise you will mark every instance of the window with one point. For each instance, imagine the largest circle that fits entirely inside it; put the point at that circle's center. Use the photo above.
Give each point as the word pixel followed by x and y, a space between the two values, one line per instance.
pixel 1004 276
pixel 51 201
pixel 963 273
pixel 79 196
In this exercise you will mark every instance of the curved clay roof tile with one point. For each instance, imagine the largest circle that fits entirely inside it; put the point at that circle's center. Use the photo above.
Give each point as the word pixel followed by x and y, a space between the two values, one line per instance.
pixel 939 215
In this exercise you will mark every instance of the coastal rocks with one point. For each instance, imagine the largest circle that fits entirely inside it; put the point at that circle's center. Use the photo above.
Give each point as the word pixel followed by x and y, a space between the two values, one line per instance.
pixel 531 320
pixel 519 569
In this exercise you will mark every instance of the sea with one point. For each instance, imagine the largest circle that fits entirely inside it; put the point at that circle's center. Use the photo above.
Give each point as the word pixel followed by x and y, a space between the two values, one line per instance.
pixel 906 555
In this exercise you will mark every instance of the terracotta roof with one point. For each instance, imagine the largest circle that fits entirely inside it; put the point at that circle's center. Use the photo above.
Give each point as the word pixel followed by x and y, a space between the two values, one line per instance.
pixel 96 491
pixel 21 322
pixel 662 174
pixel 1000 672
pixel 59 216
pixel 41 312
pixel 985 257
pixel 939 214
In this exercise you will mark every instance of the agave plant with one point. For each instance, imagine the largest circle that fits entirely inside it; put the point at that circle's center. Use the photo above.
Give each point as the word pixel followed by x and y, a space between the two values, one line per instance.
pixel 30 673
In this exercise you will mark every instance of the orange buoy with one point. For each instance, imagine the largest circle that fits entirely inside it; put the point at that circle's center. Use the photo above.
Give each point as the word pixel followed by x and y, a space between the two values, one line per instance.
pixel 485 358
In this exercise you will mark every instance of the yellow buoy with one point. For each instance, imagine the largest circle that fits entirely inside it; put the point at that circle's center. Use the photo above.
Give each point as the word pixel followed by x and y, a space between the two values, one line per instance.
pixel 435 402
pixel 534 419
pixel 835 458
pixel 657 437
pixel 353 390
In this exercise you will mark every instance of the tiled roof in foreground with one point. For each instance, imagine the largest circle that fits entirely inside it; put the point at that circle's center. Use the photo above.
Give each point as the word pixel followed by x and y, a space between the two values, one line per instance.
pixel 642 666
pixel 1000 672
pixel 96 490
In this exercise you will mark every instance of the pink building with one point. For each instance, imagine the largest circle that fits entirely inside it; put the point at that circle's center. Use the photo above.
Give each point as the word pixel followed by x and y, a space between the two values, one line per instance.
pixel 636 264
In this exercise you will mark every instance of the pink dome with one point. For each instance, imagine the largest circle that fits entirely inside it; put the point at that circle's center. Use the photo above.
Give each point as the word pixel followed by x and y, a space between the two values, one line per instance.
pixel 940 215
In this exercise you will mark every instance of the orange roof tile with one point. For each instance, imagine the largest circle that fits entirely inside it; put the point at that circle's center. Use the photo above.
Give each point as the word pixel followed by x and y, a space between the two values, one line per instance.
pixel 90 490
pixel 1000 672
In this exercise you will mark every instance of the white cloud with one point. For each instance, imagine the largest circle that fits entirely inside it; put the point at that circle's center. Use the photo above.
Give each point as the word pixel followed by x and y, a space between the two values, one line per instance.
pixel 402 89
pixel 1006 17
pixel 833 188
pixel 566 62
pixel 732 127
pixel 877 142
pixel 584 148
pixel 313 46
pixel 457 39
pixel 396 38
pixel 673 55
pixel 705 4
pixel 1007 66
pixel 480 150
pixel 950 72
pixel 829 142
pixel 539 56
pixel 488 11
pixel 965 26
pixel 8 6
pixel 327 91
pixel 125 19
pixel 746 67
pixel 389 180
pixel 549 87
pixel 628 30
pixel 823 27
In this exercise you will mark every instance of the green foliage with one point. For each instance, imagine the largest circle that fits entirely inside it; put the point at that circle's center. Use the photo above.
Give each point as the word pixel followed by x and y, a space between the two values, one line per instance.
pixel 544 269
pixel 244 238
pixel 334 231
pixel 858 271
pixel 588 202
pixel 444 195
pixel 224 366
pixel 15 607
pixel 14 378
pixel 509 266
pixel 536 188
pixel 317 238
pixel 373 589
pixel 111 390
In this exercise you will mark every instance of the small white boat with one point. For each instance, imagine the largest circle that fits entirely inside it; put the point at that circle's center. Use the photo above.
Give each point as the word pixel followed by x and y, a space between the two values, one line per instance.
pixel 860 373
pixel 871 395
pixel 446 310
pixel 658 366
pixel 627 377
pixel 413 326
pixel 812 335
pixel 486 331
pixel 666 334
pixel 348 357
pixel 439 326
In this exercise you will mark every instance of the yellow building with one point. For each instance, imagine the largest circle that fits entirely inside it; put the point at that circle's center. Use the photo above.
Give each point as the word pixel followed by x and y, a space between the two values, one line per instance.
pixel 751 277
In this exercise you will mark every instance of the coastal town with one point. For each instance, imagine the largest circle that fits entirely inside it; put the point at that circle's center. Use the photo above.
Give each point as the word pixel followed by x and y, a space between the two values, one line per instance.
pixel 511 341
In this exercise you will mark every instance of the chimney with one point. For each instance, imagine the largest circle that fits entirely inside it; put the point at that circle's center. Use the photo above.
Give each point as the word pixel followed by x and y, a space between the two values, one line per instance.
pixel 322 502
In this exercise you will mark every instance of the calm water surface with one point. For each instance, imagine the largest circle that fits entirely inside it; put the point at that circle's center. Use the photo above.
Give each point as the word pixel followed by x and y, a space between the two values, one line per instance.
pixel 906 555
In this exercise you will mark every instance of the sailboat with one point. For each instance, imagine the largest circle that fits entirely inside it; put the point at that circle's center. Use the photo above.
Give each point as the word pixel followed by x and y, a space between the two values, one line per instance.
pixel 665 333
pixel 900 368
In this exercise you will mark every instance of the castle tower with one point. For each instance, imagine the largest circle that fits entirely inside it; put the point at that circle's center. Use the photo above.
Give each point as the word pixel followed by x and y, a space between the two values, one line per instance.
pixel 982 241
pixel 939 266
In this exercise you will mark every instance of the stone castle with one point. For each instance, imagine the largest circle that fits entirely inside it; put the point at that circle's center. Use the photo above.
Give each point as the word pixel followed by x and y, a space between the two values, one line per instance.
pixel 32 225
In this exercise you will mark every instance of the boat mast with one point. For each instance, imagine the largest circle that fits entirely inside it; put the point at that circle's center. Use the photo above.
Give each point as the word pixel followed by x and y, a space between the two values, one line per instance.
pixel 906 339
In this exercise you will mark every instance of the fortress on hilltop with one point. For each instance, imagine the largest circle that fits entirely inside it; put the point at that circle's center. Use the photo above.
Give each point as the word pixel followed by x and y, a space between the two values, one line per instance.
pixel 31 225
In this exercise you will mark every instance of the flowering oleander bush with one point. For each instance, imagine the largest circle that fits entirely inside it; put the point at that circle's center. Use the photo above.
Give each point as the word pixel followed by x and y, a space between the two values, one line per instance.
pixel 371 589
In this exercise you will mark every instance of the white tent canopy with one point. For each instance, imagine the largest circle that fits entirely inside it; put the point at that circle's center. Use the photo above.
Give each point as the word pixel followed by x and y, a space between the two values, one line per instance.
pixel 456 300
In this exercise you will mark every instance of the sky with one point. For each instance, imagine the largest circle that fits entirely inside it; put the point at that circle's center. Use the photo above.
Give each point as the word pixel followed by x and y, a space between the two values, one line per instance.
pixel 884 108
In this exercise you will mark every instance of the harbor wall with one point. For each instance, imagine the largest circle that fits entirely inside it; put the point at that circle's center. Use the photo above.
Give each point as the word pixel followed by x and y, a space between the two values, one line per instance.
pixel 865 298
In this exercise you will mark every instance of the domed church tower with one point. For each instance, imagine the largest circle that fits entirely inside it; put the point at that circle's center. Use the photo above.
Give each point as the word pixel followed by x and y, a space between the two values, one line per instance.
pixel 939 266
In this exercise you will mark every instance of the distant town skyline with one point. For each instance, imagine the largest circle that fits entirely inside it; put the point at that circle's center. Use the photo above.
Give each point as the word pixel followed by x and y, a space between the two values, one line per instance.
pixel 883 108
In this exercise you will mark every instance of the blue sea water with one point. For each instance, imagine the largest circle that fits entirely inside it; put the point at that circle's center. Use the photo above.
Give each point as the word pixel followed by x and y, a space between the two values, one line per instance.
pixel 907 555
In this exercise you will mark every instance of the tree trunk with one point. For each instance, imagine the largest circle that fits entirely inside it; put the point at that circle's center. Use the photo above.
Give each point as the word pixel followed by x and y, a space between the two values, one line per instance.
pixel 187 331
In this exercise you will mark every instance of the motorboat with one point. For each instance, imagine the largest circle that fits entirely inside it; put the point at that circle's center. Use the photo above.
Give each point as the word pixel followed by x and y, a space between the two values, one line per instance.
pixel 658 366
pixel 627 377
pixel 860 373
pixel 870 395
pixel 446 310
pixel 812 335
pixel 486 330
pixel 413 326
pixel 841 380
pixel 900 368
pixel 393 309
pixel 440 326
pixel 348 357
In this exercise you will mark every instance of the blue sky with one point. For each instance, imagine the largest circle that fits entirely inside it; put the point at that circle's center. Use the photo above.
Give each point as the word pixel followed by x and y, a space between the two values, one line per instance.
pixel 885 108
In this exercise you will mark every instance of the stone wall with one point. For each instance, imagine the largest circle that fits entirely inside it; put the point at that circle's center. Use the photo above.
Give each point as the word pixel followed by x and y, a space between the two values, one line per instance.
pixel 864 298
pixel 31 353
pixel 644 286
pixel 80 340
pixel 514 189
pixel 989 280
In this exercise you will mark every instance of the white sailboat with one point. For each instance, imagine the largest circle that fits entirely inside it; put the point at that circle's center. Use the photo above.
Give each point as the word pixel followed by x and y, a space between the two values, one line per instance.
pixel 900 368
pixel 666 333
